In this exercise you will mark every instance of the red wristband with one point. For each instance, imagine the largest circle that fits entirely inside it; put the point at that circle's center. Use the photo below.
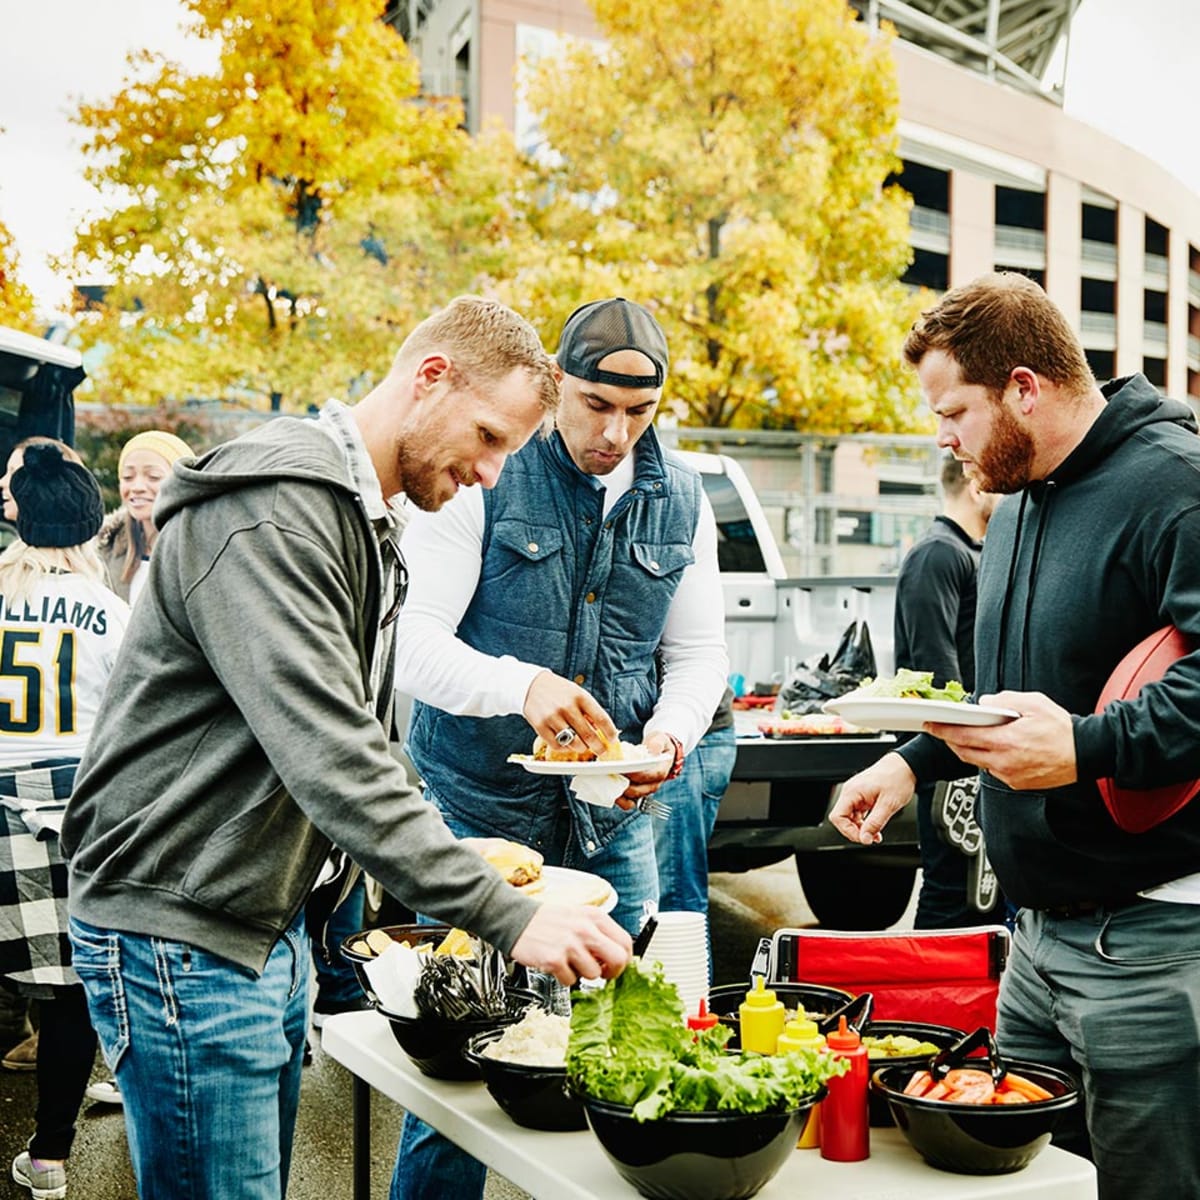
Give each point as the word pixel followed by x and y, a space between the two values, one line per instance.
pixel 677 762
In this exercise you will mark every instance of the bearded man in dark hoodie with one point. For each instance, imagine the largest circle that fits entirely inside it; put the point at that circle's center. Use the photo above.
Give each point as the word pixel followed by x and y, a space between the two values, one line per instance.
pixel 244 734
pixel 1096 546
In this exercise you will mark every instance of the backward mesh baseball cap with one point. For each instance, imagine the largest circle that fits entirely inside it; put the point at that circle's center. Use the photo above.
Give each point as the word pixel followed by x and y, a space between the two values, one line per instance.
pixel 596 330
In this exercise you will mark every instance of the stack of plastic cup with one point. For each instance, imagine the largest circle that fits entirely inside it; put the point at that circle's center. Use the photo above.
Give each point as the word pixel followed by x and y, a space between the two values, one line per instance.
pixel 680 944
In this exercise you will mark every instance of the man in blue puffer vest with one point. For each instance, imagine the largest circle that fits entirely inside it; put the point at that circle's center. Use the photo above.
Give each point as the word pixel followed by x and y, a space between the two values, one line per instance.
pixel 539 610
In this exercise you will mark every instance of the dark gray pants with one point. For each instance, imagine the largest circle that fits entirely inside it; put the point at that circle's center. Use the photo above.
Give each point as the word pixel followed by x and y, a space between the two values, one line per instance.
pixel 1114 998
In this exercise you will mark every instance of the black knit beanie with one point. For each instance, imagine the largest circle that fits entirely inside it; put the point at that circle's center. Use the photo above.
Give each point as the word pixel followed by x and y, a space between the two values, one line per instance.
pixel 58 502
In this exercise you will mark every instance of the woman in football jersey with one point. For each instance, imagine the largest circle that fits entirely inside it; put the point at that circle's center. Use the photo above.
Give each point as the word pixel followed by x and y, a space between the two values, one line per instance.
pixel 128 535
pixel 23 1055
pixel 60 627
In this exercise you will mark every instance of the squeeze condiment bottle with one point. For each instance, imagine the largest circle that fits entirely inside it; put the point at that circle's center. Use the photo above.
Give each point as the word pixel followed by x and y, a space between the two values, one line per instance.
pixel 762 1018
pixel 845 1126
pixel 701 1018
pixel 802 1034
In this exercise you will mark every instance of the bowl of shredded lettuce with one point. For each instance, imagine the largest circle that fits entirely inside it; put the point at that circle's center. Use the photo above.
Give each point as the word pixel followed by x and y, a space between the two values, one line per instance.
pixel 679 1117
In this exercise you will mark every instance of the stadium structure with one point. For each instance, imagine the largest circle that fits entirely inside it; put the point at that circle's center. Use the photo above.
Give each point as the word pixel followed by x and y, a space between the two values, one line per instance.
pixel 1001 177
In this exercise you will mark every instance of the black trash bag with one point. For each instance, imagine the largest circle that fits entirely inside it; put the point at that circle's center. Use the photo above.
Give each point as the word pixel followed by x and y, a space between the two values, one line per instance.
pixel 811 684
pixel 855 656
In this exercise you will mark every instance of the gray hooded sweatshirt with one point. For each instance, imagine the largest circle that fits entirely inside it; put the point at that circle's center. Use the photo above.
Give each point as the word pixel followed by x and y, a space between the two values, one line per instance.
pixel 239 738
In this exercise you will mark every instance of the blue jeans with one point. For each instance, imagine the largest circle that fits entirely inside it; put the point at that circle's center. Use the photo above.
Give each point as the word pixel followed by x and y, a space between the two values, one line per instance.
pixel 207 1056
pixel 681 842
pixel 430 1166
pixel 1114 998
pixel 338 989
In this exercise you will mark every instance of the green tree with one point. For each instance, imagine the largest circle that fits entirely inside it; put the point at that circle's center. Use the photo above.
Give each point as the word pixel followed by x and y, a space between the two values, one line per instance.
pixel 16 300
pixel 727 164
pixel 285 218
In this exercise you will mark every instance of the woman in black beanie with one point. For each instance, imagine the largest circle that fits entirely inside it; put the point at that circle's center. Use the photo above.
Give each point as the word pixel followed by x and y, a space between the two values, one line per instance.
pixel 60 628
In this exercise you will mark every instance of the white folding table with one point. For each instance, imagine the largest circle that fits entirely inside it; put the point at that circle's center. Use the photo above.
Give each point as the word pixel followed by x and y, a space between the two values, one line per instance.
pixel 572 1166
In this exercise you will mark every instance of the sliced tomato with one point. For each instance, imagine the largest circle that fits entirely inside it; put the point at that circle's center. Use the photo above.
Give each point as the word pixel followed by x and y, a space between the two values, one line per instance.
pixel 919 1084
pixel 1012 1097
pixel 939 1091
pixel 969 1087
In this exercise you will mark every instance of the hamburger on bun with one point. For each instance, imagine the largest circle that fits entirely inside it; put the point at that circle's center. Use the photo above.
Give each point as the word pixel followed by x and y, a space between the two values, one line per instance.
pixel 575 750
pixel 520 865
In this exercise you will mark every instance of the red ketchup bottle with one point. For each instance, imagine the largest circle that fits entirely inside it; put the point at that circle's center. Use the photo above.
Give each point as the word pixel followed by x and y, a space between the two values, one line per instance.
pixel 702 1018
pixel 845 1128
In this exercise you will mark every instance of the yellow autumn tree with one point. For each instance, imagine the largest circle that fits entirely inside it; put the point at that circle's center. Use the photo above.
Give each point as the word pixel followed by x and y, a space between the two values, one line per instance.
pixel 727 164
pixel 16 300
pixel 284 219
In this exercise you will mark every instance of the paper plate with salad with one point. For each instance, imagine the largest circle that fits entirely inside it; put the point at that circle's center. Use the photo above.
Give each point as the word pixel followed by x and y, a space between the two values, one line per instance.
pixel 909 699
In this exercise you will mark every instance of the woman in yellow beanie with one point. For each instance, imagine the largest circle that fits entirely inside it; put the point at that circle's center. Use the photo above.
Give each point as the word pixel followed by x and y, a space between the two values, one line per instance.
pixel 128 535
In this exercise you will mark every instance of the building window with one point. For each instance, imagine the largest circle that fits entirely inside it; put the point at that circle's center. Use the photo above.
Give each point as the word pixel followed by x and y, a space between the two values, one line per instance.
pixel 928 269
pixel 823 527
pixel 823 468
pixel 1155 370
pixel 1157 238
pixel 1019 208
pixel 1154 306
pixel 928 186
pixel 1103 364
pixel 1097 295
pixel 900 487
pixel 1099 224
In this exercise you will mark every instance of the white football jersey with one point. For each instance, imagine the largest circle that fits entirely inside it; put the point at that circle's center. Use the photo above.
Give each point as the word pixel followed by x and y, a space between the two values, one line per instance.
pixel 57 649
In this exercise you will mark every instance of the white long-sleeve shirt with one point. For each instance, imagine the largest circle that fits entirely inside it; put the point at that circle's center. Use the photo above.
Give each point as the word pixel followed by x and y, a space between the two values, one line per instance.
pixel 444 553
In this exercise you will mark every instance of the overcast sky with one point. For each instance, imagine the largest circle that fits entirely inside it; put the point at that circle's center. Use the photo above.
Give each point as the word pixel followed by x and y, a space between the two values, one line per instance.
pixel 1132 72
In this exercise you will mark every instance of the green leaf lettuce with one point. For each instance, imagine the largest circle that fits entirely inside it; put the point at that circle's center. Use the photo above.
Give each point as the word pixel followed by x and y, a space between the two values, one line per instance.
pixel 629 1045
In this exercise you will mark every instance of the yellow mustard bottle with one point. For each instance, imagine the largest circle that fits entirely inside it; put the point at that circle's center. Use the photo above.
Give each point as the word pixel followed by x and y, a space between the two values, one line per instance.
pixel 802 1034
pixel 762 1019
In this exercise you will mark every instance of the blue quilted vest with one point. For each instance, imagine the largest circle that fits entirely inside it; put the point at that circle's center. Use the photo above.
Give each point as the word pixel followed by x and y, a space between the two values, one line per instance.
pixel 580 593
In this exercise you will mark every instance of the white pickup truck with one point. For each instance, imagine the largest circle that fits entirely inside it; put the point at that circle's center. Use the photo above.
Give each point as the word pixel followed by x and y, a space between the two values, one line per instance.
pixel 37 382
pixel 782 789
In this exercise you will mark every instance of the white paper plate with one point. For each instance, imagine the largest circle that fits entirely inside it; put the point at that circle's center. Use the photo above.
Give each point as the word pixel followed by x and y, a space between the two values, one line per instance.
pixel 622 766
pixel 565 885
pixel 883 712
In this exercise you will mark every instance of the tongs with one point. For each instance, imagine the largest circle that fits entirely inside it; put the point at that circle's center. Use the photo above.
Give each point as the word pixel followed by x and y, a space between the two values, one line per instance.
pixel 954 1056
pixel 762 961
pixel 856 1011
pixel 641 943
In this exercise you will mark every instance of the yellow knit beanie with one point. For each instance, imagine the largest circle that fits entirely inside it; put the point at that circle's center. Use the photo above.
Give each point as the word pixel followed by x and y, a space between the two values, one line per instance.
pixel 158 442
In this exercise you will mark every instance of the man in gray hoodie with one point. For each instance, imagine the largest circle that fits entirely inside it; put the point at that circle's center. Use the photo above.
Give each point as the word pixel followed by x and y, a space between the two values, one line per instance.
pixel 245 735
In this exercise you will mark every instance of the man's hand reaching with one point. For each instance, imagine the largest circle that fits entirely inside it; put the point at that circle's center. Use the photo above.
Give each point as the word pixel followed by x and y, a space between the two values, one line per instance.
pixel 869 800
pixel 573 942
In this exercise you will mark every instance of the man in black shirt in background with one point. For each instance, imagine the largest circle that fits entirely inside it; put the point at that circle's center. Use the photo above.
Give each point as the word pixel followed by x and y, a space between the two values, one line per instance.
pixel 934 631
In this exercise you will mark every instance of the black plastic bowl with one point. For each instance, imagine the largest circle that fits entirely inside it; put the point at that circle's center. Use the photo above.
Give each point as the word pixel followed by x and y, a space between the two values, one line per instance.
pixel 940 1036
pixel 436 1044
pixel 978 1139
pixel 816 1000
pixel 535 1097
pixel 410 935
pixel 696 1156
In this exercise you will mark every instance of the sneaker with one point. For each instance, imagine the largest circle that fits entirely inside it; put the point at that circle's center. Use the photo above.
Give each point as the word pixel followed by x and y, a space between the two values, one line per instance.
pixel 46 1180
pixel 23 1056
pixel 322 1012
pixel 104 1091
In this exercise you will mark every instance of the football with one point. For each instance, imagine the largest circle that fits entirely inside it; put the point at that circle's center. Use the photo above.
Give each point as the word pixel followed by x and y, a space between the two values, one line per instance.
pixel 1136 811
